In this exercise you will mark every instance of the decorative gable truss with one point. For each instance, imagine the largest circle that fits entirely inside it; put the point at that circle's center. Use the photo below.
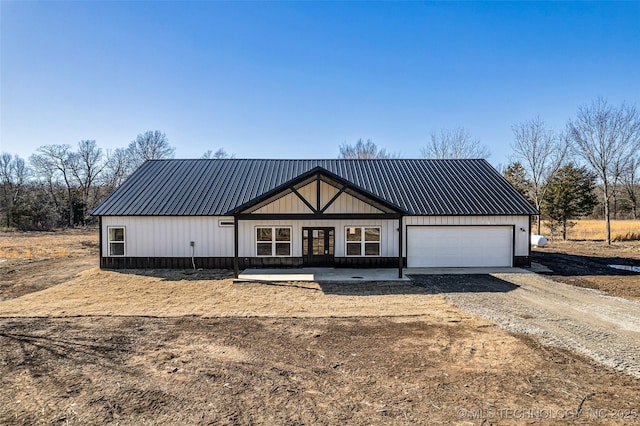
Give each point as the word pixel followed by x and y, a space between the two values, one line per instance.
pixel 318 193
pixel 332 200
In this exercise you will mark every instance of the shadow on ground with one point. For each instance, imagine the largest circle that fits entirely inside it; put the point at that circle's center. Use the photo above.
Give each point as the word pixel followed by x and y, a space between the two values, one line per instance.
pixel 476 283
pixel 577 265
pixel 419 284
pixel 370 288
pixel 423 284
pixel 179 274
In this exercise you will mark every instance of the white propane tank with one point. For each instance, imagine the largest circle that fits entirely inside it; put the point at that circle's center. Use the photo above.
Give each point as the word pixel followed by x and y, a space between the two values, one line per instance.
pixel 538 240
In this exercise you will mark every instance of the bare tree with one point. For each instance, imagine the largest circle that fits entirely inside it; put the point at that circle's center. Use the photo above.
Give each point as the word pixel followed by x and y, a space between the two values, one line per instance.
pixel 116 169
pixel 631 183
pixel 221 153
pixel 363 151
pixel 86 165
pixel 51 162
pixel 13 178
pixel 541 152
pixel 606 137
pixel 150 145
pixel 454 143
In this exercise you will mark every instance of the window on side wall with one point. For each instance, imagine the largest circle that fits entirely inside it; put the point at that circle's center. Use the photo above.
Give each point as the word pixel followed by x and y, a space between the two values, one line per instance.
pixel 362 241
pixel 273 241
pixel 116 236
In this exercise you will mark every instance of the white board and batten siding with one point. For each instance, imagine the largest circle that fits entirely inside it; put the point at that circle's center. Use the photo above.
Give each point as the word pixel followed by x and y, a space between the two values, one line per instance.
pixel 170 236
pixel 345 203
pixel 291 203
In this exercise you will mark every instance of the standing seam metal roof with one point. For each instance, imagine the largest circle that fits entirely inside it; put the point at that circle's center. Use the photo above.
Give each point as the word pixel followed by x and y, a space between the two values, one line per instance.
pixel 216 187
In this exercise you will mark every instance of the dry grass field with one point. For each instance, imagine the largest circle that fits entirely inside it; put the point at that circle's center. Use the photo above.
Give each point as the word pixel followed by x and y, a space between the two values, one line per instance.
pixel 214 294
pixel 47 245
pixel 595 230
pixel 33 261
pixel 84 346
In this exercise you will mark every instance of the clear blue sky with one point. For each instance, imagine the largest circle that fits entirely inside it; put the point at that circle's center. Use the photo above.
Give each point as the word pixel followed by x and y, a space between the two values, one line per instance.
pixel 295 80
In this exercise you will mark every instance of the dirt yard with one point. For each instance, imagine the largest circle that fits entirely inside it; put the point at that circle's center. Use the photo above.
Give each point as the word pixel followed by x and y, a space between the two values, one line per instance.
pixel 83 346
pixel 586 264
pixel 607 329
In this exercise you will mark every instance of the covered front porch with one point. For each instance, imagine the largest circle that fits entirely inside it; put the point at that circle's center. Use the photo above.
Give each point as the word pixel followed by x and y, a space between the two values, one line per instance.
pixel 318 219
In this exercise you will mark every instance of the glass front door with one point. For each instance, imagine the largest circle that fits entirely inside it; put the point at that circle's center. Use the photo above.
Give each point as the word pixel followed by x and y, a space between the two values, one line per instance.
pixel 318 246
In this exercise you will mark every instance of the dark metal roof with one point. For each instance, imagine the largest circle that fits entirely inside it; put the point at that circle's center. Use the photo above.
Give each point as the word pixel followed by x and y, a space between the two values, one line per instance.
pixel 217 187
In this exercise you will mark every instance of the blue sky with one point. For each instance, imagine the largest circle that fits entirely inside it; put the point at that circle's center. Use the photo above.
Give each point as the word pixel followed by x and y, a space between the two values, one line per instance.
pixel 295 80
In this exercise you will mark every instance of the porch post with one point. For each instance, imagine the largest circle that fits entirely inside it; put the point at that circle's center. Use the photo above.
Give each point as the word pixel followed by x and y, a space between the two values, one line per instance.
pixel 236 268
pixel 400 262
pixel 100 241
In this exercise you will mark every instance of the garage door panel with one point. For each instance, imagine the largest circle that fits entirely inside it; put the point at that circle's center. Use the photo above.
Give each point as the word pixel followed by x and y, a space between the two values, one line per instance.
pixel 459 246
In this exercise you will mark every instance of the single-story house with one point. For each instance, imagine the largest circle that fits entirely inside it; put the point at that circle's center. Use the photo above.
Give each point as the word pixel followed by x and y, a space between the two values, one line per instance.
pixel 238 213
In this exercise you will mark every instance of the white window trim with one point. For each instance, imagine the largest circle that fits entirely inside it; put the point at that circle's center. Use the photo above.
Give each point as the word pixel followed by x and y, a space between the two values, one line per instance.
pixel 273 240
pixel 123 242
pixel 225 223
pixel 362 241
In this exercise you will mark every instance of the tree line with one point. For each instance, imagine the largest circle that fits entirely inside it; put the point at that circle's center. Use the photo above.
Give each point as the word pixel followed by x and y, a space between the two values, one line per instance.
pixel 558 172
pixel 59 185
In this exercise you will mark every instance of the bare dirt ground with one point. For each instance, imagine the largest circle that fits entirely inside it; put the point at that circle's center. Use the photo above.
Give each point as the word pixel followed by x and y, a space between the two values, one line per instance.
pixel 137 370
pixel 585 264
pixel 604 328
pixel 178 347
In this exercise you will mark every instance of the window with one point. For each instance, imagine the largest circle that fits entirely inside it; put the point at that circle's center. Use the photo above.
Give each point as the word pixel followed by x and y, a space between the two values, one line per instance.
pixel 116 241
pixel 225 223
pixel 363 241
pixel 273 241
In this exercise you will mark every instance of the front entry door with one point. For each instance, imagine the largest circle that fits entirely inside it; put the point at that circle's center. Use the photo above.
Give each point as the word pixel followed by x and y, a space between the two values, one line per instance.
pixel 318 246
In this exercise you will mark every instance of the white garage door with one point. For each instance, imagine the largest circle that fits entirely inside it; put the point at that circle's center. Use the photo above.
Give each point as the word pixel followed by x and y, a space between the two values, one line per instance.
pixel 459 246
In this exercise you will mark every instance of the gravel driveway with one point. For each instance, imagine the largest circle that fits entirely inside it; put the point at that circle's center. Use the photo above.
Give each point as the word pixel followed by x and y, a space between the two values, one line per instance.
pixel 604 328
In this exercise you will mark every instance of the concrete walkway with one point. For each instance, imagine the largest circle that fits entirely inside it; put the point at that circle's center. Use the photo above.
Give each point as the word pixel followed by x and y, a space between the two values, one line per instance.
pixel 363 274
pixel 320 275
pixel 464 271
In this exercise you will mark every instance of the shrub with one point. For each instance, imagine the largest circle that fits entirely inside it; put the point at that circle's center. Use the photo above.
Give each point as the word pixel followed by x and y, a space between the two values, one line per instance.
pixel 628 236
